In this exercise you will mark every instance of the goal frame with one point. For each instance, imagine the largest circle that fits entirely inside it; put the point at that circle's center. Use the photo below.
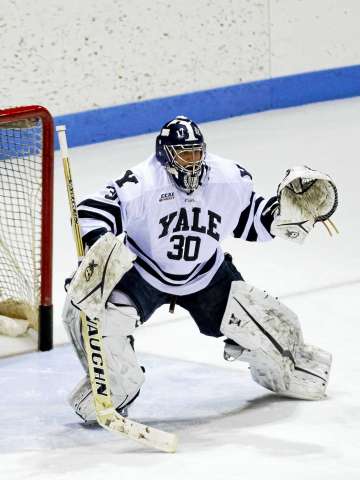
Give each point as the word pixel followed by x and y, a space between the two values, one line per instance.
pixel 45 314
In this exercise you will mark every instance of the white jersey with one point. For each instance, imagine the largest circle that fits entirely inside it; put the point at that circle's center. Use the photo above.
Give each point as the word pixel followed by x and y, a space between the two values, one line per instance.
pixel 176 236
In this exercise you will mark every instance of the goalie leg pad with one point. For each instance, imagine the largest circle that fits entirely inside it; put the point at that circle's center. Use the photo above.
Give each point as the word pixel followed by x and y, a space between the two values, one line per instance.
pixel 254 319
pixel 72 323
pixel 268 336
pixel 125 374
pixel 101 269
pixel 125 378
pixel 311 373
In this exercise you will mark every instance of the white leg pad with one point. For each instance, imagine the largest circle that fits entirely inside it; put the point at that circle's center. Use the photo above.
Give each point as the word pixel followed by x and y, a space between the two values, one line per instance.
pixel 311 373
pixel 270 340
pixel 71 319
pixel 125 375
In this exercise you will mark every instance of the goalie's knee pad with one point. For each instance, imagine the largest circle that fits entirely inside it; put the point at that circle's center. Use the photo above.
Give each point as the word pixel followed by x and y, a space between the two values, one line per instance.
pixel 268 336
pixel 101 269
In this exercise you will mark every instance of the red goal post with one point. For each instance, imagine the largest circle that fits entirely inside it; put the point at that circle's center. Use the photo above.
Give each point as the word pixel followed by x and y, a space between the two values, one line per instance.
pixel 26 218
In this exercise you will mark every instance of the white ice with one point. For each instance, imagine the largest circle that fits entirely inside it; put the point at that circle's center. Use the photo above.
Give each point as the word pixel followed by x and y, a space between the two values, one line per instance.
pixel 228 427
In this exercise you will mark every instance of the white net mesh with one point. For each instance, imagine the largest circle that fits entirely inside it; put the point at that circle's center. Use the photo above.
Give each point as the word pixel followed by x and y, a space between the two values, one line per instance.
pixel 20 218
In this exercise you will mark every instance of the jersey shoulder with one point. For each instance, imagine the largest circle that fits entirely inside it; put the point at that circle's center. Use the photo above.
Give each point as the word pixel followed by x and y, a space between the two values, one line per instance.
pixel 223 170
pixel 139 180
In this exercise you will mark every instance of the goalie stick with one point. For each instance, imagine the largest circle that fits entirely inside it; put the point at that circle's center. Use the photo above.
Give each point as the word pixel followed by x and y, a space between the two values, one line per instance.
pixel 106 414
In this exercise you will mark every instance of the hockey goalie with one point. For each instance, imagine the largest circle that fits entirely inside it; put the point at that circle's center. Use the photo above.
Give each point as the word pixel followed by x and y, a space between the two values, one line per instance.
pixel 153 236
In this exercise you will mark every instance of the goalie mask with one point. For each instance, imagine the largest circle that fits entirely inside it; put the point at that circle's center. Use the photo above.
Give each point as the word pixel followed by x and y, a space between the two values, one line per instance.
pixel 181 149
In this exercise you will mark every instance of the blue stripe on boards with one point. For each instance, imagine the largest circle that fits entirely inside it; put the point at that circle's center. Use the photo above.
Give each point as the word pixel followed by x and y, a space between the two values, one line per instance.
pixel 313 87
pixel 131 119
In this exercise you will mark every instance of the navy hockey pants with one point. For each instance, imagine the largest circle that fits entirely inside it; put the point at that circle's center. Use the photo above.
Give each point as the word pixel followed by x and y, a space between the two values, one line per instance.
pixel 206 306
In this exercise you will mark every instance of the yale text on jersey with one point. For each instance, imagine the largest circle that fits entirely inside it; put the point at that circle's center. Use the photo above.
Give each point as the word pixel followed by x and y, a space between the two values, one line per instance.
pixel 186 220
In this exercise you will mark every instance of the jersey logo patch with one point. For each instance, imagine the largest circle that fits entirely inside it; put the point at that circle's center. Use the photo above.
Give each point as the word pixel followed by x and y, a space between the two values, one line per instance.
pixel 167 196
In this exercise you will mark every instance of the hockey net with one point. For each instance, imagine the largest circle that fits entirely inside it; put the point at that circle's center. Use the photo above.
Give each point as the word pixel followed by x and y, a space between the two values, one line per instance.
pixel 26 198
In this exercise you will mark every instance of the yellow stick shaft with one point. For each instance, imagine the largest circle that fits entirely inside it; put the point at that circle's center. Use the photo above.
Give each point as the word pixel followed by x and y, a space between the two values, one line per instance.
pixel 73 209
pixel 103 401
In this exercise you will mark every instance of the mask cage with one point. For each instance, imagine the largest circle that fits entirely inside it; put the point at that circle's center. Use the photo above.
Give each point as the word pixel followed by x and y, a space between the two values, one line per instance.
pixel 175 152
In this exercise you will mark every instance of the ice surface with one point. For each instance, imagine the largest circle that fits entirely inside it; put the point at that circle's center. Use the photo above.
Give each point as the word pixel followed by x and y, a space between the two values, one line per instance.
pixel 229 427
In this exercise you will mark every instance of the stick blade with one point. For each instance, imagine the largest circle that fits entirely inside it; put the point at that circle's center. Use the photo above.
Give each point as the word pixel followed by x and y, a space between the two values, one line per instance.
pixel 149 436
